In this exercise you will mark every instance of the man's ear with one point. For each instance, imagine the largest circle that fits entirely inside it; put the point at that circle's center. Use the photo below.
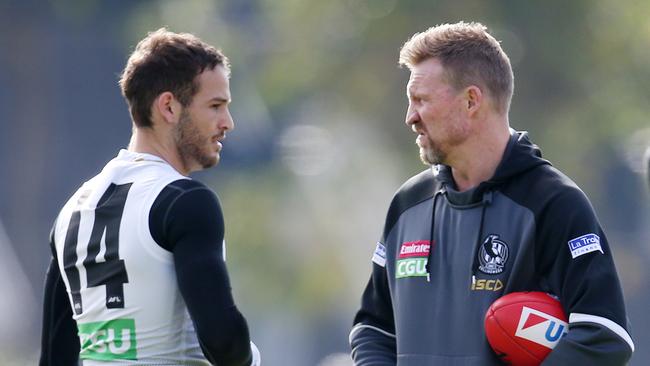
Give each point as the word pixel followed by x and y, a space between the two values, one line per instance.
pixel 474 98
pixel 167 107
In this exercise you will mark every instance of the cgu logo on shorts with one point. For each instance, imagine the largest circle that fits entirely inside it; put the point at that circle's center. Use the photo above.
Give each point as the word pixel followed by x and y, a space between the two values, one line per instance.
pixel 109 340
pixel 412 259
pixel 540 327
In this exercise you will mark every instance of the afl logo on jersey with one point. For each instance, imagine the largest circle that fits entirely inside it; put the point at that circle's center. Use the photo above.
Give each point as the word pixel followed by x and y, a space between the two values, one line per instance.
pixel 492 255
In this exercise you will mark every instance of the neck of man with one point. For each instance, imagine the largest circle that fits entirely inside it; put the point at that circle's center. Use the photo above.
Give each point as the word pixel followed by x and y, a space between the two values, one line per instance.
pixel 150 141
pixel 477 159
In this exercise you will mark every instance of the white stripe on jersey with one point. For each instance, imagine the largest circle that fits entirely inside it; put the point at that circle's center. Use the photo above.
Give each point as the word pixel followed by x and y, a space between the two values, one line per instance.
pixel 586 318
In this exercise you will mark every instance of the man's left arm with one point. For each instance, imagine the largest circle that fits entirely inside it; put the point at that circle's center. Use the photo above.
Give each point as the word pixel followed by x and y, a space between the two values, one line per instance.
pixel 59 340
pixel 577 265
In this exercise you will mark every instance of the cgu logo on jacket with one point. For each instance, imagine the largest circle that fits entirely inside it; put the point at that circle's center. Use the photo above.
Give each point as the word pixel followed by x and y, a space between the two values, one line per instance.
pixel 412 259
pixel 540 327
pixel 492 255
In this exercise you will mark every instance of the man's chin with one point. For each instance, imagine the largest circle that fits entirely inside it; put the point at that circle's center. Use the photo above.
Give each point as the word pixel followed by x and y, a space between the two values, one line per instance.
pixel 209 161
pixel 428 157
pixel 214 161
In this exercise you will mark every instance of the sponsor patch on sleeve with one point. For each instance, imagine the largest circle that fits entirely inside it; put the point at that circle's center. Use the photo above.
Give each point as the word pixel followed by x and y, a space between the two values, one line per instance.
pixel 585 244
pixel 379 256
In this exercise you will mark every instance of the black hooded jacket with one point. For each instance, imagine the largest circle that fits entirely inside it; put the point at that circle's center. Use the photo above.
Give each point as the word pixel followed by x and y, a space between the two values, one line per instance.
pixel 446 255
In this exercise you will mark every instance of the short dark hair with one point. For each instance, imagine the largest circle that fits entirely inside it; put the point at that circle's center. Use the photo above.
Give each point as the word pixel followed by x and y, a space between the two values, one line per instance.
pixel 470 56
pixel 166 61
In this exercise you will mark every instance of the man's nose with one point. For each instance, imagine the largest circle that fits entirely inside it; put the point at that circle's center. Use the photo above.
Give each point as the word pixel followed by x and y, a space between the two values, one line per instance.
pixel 412 116
pixel 227 124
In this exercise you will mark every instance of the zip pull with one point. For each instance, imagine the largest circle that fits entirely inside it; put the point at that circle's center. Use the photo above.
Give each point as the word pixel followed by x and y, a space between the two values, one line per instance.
pixel 487 197
pixel 473 280
pixel 428 277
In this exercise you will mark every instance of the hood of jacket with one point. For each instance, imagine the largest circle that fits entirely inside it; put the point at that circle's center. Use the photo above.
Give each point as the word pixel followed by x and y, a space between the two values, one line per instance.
pixel 520 156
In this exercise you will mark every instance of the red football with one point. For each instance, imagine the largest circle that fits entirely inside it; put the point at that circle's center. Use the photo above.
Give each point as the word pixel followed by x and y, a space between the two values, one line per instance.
pixel 523 327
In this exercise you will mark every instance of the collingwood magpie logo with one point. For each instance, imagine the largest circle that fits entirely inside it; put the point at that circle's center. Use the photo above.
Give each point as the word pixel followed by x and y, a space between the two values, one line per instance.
pixel 492 255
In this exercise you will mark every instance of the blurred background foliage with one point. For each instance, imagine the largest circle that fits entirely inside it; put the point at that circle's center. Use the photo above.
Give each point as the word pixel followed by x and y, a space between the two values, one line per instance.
pixel 319 145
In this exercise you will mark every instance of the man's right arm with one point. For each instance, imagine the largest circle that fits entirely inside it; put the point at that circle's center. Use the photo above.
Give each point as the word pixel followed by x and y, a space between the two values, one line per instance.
pixel 193 230
pixel 372 338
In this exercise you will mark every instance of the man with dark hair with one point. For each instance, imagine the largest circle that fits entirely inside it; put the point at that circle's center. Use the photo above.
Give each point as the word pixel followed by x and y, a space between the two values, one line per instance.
pixel 138 272
pixel 490 210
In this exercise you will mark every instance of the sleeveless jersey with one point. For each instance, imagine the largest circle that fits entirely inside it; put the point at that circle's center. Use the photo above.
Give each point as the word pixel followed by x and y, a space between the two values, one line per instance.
pixel 121 284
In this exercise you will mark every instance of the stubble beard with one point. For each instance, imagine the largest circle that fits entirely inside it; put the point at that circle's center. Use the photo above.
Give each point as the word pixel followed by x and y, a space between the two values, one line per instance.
pixel 191 145
pixel 438 153
pixel 432 155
